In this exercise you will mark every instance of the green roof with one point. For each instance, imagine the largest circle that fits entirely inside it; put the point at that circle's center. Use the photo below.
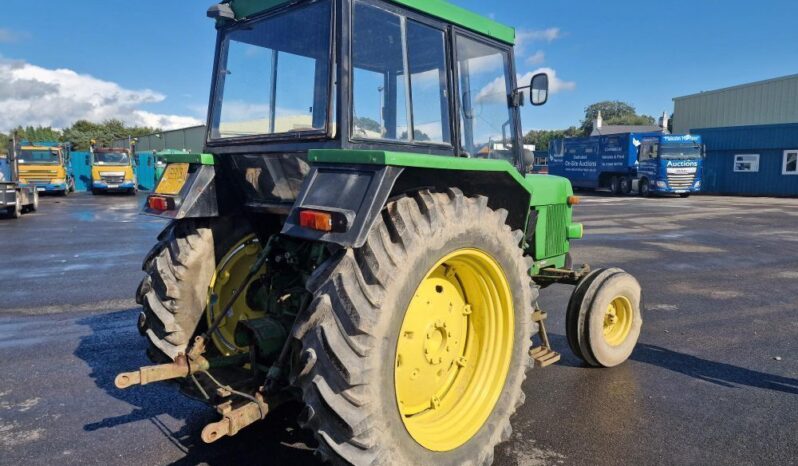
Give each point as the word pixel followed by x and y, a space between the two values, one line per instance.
pixel 437 8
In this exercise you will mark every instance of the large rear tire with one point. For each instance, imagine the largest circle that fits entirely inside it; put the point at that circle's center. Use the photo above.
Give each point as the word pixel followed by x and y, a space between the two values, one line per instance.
pixel 379 333
pixel 174 293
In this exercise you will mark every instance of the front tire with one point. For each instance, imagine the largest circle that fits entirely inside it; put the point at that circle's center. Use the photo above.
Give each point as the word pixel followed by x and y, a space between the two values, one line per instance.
pixel 645 188
pixel 603 319
pixel 376 335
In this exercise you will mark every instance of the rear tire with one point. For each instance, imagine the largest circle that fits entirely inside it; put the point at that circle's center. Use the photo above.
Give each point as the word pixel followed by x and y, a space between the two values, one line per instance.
pixel 615 185
pixel 625 185
pixel 353 327
pixel 179 269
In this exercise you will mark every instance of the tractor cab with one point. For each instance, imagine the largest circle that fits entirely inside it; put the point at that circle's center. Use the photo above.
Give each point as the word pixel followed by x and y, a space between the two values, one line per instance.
pixel 405 77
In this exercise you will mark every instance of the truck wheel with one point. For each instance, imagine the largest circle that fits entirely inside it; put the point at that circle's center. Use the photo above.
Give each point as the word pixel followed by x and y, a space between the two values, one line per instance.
pixel 625 185
pixel 35 205
pixel 180 269
pixel 645 188
pixel 441 292
pixel 615 185
pixel 603 320
pixel 15 211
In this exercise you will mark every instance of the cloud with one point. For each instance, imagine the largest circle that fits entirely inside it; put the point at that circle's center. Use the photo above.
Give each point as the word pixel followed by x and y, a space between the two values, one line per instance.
pixel 524 37
pixel 9 36
pixel 556 85
pixel 33 95
pixel 496 92
pixel 536 59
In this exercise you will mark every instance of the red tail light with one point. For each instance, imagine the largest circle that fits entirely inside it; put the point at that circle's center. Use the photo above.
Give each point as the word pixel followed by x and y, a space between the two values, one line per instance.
pixel 159 203
pixel 316 220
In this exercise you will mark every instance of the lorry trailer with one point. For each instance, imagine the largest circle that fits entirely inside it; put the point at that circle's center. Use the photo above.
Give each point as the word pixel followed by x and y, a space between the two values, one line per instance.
pixel 647 163
pixel 14 198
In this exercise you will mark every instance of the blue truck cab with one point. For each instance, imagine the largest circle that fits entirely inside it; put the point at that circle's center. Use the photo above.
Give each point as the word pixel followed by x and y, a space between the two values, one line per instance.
pixel 647 163
pixel 669 164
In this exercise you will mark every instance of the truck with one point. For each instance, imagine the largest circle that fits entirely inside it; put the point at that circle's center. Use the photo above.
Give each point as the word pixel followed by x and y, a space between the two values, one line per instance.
pixel 646 163
pixel 353 243
pixel 46 166
pixel 15 199
pixel 112 169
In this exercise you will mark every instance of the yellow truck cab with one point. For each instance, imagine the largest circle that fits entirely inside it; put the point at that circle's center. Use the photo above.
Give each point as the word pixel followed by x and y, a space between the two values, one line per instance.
pixel 112 170
pixel 46 166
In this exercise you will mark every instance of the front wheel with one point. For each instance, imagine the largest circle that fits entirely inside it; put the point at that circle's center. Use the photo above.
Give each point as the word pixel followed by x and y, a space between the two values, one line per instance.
pixel 15 211
pixel 645 188
pixel 603 318
pixel 414 348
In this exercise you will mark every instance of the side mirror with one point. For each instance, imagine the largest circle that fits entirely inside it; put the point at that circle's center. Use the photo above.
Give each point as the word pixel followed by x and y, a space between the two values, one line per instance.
pixel 529 158
pixel 539 89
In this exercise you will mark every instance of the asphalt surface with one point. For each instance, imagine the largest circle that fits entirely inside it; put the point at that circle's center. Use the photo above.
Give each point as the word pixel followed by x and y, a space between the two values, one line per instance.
pixel 714 379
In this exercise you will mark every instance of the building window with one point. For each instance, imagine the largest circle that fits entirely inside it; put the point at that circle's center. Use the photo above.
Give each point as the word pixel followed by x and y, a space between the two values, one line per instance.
pixel 746 163
pixel 790 166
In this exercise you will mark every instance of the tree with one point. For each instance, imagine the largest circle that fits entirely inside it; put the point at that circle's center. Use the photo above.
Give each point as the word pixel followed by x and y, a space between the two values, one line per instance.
pixel 542 138
pixel 37 133
pixel 81 133
pixel 613 112
pixel 418 135
pixel 367 124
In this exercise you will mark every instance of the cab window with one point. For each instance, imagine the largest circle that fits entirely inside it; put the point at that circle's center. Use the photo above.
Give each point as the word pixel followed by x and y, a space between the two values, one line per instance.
pixel 399 79
pixel 485 118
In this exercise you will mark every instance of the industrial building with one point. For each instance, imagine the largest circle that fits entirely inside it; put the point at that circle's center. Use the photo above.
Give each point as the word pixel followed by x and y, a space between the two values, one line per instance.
pixel 186 139
pixel 751 135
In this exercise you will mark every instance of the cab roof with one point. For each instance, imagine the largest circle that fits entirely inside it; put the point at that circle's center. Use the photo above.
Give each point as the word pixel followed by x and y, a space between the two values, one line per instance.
pixel 440 9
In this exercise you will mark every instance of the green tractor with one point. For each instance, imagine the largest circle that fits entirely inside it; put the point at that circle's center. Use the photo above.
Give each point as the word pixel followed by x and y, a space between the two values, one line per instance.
pixel 359 235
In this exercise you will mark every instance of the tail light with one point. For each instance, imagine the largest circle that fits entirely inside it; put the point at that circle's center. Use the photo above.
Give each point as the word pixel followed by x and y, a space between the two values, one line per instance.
pixel 160 203
pixel 315 220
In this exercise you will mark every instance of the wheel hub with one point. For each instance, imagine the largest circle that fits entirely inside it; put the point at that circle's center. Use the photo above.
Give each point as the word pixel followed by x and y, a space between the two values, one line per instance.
pixel 454 349
pixel 230 272
pixel 617 321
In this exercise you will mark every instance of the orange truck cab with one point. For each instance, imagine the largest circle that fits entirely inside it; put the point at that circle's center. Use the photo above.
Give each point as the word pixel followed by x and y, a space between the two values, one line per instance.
pixel 112 170
pixel 46 166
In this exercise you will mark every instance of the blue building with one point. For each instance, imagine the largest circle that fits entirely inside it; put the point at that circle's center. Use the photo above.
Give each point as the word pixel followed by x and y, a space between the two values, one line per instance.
pixel 751 135
pixel 757 160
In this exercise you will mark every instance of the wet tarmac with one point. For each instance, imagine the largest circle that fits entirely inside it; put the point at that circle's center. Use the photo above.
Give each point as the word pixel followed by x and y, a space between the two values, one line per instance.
pixel 713 381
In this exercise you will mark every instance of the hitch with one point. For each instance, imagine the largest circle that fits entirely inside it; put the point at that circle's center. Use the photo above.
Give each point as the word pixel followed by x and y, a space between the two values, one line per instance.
pixel 235 419
pixel 551 276
pixel 182 367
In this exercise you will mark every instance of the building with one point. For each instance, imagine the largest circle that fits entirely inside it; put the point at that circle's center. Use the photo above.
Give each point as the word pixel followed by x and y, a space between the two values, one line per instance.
pixel 600 129
pixel 186 139
pixel 751 135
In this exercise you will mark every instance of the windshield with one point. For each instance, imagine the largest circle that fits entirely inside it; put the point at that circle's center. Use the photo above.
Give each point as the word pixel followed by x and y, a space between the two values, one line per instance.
pixel 680 151
pixel 274 75
pixel 35 157
pixel 111 158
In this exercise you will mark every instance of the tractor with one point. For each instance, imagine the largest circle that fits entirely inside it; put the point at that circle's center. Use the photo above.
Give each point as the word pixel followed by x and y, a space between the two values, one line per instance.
pixel 359 235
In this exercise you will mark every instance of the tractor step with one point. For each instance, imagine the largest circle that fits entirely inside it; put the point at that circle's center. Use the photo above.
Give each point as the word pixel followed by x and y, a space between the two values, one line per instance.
pixel 543 355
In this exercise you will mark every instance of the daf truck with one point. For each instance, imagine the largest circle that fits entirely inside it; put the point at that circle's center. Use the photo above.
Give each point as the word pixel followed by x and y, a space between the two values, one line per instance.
pixel 46 166
pixel 112 169
pixel 646 163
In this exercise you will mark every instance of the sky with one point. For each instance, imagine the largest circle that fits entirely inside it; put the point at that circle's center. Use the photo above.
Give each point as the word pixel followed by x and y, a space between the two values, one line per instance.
pixel 149 62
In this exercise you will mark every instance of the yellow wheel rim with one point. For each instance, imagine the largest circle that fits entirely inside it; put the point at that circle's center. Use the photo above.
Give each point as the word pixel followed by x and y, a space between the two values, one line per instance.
pixel 230 272
pixel 454 350
pixel 618 321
